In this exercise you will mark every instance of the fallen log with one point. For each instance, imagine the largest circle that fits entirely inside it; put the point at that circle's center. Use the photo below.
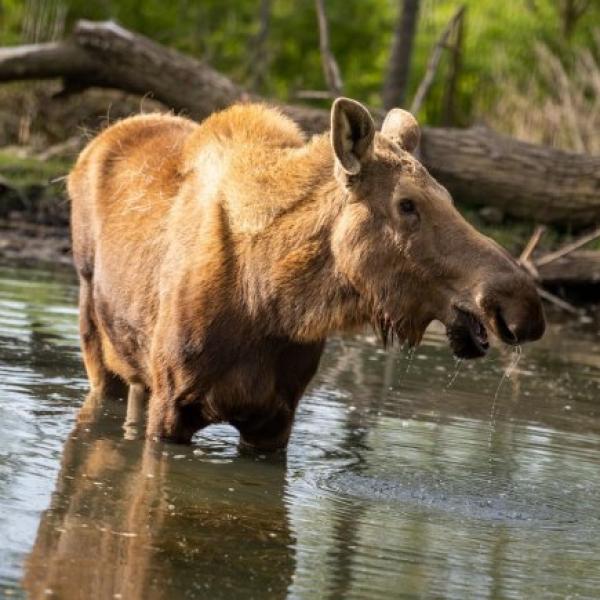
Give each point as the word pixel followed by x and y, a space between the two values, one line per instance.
pixel 578 268
pixel 524 180
pixel 477 165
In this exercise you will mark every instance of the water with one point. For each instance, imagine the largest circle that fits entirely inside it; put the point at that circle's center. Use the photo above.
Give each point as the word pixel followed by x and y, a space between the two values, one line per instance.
pixel 394 485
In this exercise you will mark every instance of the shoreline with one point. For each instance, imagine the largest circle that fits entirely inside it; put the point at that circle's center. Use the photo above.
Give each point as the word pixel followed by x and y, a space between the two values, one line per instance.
pixel 24 243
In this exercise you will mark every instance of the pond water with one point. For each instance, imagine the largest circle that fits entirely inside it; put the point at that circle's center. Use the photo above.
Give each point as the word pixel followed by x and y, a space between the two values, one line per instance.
pixel 403 478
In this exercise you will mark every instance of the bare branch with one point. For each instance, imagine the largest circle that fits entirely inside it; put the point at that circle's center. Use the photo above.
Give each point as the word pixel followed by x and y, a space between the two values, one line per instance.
pixel 331 69
pixel 313 95
pixel 532 243
pixel 568 248
pixel 562 304
pixel 434 61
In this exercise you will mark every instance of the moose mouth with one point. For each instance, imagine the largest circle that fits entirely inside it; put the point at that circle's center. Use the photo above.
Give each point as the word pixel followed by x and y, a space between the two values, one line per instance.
pixel 467 335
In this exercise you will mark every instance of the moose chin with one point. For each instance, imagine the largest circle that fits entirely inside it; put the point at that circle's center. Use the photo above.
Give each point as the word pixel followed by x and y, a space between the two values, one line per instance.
pixel 215 259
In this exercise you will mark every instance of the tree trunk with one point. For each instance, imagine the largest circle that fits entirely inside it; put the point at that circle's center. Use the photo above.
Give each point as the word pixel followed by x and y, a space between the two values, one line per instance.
pixel 396 83
pixel 477 165
pixel 259 64
pixel 449 112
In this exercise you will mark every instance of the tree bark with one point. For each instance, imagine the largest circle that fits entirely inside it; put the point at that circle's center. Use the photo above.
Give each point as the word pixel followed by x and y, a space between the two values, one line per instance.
pixel 449 112
pixel 258 51
pixel 477 165
pixel 523 180
pixel 396 83
pixel 434 61
pixel 578 268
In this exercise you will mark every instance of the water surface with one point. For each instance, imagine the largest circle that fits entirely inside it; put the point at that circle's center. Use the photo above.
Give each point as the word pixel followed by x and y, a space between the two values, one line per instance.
pixel 394 486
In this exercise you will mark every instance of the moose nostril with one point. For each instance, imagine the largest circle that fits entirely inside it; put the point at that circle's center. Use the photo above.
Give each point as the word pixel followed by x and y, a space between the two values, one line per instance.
pixel 509 333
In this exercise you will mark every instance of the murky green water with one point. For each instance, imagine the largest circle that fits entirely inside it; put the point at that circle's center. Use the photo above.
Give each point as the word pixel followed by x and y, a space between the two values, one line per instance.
pixel 393 486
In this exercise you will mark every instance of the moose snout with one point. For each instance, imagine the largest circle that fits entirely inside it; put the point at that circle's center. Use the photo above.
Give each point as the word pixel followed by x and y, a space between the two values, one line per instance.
pixel 520 326
pixel 515 311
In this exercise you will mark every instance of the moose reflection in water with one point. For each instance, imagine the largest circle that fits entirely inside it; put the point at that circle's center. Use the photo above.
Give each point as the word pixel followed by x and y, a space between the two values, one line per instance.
pixel 125 520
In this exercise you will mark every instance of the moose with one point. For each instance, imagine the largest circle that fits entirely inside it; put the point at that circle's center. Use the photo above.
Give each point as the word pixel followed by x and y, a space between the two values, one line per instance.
pixel 214 260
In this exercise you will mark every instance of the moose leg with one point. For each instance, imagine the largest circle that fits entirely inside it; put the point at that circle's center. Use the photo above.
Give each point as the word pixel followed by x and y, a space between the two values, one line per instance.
pixel 296 365
pixel 102 381
pixel 267 435
pixel 172 422
pixel 136 400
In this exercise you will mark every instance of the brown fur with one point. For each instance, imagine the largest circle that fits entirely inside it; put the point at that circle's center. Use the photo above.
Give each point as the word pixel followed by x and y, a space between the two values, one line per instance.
pixel 215 259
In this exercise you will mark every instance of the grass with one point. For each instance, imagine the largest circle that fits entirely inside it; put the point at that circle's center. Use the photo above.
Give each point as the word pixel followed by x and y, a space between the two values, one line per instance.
pixel 22 172
pixel 560 106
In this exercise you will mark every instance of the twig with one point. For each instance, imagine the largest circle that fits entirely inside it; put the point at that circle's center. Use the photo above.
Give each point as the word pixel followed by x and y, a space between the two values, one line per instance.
pixel 563 304
pixel 434 61
pixel 532 243
pixel 313 95
pixel 567 248
pixel 528 265
pixel 330 66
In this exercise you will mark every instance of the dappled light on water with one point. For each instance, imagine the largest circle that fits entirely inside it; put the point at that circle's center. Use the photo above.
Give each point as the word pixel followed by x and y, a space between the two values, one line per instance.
pixel 398 481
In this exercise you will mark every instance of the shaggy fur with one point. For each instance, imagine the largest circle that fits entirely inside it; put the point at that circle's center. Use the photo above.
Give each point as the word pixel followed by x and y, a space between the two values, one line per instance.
pixel 215 259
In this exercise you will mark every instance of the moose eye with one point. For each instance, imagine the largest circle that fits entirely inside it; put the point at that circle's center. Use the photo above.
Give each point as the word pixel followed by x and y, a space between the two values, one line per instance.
pixel 406 206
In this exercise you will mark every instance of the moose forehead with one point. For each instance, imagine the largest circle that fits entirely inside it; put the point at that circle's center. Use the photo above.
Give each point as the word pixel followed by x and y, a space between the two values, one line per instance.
pixel 402 169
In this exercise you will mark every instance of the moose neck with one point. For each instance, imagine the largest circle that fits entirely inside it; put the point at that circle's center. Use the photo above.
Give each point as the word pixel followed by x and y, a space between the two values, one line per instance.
pixel 298 277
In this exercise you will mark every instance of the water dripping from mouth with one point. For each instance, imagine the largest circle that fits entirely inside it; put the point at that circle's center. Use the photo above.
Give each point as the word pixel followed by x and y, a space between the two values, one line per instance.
pixel 412 350
pixel 458 363
pixel 514 361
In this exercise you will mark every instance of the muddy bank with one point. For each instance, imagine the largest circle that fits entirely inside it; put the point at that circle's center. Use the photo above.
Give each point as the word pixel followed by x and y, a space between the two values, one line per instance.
pixel 34 211
pixel 42 130
pixel 29 243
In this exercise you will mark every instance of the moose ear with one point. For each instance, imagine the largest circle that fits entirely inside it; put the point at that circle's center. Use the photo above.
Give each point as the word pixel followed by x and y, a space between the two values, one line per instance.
pixel 402 128
pixel 352 134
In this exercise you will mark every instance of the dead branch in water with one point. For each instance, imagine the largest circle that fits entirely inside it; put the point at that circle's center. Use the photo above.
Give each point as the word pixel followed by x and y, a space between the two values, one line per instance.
pixel 476 165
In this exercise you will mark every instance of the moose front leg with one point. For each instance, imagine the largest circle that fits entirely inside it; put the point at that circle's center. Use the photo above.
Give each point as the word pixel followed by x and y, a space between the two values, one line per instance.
pixel 175 408
pixel 267 434
pixel 294 368
pixel 173 421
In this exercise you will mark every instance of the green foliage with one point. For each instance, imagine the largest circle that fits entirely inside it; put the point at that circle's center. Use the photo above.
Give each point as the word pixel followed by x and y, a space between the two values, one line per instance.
pixel 11 18
pixel 499 41
pixel 23 171
pixel 499 46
